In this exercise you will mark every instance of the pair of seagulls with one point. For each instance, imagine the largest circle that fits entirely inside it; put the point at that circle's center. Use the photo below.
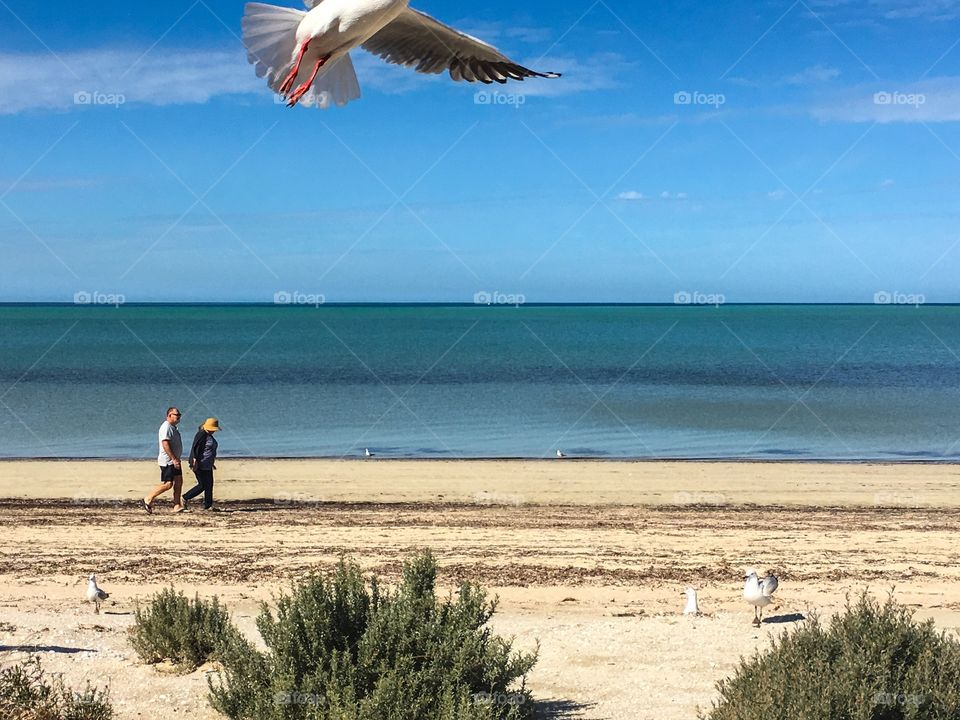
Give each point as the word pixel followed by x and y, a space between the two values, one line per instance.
pixel 305 56
pixel 756 592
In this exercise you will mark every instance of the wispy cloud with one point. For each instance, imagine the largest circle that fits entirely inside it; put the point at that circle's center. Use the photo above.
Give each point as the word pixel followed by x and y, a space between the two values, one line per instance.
pixel 112 77
pixel 631 195
pixel 812 76
pixel 933 100
pixel 69 81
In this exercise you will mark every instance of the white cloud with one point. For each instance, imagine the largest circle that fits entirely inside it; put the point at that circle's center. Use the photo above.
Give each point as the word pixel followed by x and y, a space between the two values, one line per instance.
pixel 631 195
pixel 667 195
pixel 888 183
pixel 776 194
pixel 932 100
pixel 44 81
pixel 812 76
pixel 51 82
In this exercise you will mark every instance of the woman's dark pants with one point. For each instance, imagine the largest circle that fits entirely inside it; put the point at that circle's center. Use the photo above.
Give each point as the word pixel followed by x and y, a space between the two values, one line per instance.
pixel 204 485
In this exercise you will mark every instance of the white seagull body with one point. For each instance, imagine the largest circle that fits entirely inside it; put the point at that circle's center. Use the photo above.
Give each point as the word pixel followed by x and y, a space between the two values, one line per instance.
pixel 305 55
pixel 692 607
pixel 759 593
pixel 95 594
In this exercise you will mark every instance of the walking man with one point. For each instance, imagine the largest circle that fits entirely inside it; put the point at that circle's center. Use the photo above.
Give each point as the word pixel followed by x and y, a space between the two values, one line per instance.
pixel 171 474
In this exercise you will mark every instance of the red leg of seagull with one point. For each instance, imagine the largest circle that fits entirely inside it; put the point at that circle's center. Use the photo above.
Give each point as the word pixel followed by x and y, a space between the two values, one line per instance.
pixel 302 90
pixel 291 78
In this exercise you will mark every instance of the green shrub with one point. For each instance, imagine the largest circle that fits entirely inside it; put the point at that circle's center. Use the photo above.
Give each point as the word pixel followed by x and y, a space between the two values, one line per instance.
pixel 342 651
pixel 26 694
pixel 186 632
pixel 873 663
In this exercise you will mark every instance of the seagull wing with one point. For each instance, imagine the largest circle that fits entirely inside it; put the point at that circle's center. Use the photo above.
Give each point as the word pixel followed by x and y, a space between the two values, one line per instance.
pixel 102 595
pixel 311 4
pixel 770 585
pixel 416 40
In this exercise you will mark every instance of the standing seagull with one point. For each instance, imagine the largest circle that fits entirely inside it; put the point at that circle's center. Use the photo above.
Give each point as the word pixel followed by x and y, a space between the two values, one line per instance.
pixel 95 594
pixel 759 593
pixel 692 607
pixel 287 45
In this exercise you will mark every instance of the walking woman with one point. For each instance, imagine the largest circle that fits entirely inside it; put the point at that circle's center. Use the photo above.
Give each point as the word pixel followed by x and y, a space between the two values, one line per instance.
pixel 203 455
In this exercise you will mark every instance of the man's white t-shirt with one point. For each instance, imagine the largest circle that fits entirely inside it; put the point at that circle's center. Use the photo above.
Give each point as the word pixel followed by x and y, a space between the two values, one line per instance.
pixel 169 432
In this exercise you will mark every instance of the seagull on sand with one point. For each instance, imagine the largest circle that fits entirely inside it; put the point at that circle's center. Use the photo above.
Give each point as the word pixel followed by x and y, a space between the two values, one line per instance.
pixel 759 593
pixel 95 594
pixel 367 452
pixel 305 56
pixel 560 454
pixel 692 607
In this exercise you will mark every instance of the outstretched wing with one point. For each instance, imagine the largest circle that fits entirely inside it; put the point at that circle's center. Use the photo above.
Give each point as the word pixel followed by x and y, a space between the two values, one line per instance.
pixel 428 46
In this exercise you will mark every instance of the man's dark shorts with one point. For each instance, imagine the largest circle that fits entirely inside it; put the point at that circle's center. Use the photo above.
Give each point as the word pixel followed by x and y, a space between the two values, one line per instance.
pixel 170 473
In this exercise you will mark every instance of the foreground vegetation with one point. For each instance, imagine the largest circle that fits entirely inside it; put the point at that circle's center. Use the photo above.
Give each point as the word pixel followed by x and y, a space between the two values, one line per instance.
pixel 874 662
pixel 342 649
pixel 26 693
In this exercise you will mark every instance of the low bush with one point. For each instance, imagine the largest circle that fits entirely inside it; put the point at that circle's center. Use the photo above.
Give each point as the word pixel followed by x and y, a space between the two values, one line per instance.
pixel 340 649
pixel 874 662
pixel 27 694
pixel 186 632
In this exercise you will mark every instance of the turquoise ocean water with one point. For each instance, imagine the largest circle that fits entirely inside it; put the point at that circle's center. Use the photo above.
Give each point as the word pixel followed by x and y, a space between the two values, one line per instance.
pixel 764 382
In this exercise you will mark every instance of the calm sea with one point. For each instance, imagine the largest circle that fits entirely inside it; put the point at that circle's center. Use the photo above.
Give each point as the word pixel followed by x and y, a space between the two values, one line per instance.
pixel 801 382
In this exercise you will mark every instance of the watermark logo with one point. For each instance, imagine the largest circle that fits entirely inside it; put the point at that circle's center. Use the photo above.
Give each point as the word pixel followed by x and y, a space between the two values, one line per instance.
pixel 699 498
pixel 84 97
pixel 498 298
pixel 98 298
pixel 684 97
pixel 914 100
pixel 495 97
pixel 898 298
pixel 684 297
pixel 282 297
pixel 298 698
pixel 898 499
pixel 487 698
pixel 898 699
pixel 90 500
pixel 298 499
pixel 485 497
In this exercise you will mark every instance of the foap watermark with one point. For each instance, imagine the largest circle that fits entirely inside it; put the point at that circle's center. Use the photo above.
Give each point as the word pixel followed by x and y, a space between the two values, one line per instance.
pixel 96 297
pixel 485 497
pixel 685 97
pixel 498 298
pixel 896 297
pixel 298 499
pixel 92 500
pixel 99 99
pixel 914 100
pixel 898 699
pixel 298 698
pixel 501 99
pixel 282 297
pixel 699 498
pixel 899 500
pixel 684 297
pixel 488 698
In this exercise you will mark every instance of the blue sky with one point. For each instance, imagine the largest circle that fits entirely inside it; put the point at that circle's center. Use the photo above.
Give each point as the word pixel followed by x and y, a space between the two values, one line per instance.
pixel 804 151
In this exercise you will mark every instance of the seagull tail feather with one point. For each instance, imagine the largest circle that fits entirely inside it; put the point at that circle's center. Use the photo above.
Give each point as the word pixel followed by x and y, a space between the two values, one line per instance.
pixel 270 36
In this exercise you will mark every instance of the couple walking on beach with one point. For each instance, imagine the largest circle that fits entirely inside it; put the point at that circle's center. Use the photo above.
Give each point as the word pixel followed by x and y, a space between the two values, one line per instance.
pixel 203 455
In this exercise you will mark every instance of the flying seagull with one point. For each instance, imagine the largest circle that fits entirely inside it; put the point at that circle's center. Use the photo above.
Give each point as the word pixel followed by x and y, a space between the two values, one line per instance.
pixel 692 607
pixel 759 593
pixel 305 56
pixel 95 594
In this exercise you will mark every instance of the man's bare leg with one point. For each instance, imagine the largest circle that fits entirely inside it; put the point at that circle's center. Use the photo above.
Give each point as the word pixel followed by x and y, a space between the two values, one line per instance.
pixel 157 492
pixel 177 490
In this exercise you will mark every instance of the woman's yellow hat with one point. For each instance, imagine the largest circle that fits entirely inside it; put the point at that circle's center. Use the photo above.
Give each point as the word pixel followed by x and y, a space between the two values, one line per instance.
pixel 211 425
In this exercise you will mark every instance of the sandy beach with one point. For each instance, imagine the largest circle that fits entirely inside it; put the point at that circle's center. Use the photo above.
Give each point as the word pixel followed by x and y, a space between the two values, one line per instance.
pixel 588 558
